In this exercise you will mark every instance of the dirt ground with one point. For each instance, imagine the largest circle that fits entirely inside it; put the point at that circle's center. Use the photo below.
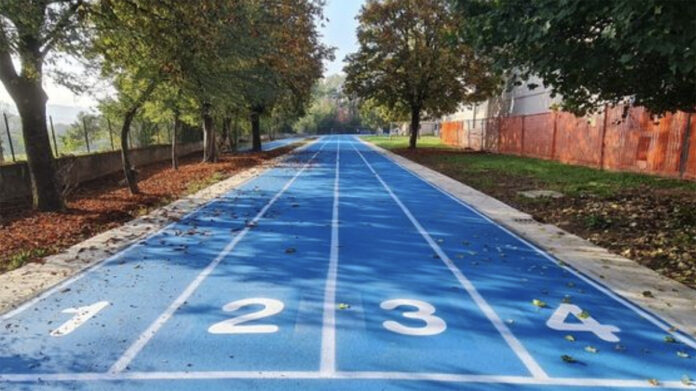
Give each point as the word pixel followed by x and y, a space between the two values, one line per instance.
pixel 641 219
pixel 28 236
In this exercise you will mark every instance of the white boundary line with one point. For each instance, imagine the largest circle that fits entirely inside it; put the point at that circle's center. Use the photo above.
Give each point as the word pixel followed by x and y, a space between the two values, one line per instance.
pixel 128 356
pixel 358 375
pixel 504 331
pixel 98 265
pixel 638 310
pixel 328 332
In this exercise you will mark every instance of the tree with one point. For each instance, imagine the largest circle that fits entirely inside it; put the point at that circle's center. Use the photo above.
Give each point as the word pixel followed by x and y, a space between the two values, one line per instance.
pixel 593 52
pixel 167 44
pixel 288 62
pixel 375 116
pixel 31 31
pixel 411 61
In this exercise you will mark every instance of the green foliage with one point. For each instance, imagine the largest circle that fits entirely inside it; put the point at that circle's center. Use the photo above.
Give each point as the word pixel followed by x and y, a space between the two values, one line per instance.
pixel 376 116
pixel 411 59
pixel 331 110
pixel 74 138
pixel 593 52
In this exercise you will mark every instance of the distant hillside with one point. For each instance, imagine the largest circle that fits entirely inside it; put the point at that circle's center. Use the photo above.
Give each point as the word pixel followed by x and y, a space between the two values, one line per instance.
pixel 62 114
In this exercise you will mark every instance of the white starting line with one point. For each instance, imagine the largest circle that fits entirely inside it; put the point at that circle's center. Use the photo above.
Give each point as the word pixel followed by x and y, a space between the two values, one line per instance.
pixel 340 375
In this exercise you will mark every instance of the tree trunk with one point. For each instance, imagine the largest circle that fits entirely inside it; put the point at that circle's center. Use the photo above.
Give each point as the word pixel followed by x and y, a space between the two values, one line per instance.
pixel 128 171
pixel 226 141
pixel 256 129
pixel 208 135
pixel 235 133
pixel 175 131
pixel 415 126
pixel 31 104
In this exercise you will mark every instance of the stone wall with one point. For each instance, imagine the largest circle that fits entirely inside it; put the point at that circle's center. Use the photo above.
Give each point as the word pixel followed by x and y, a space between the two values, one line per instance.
pixel 15 187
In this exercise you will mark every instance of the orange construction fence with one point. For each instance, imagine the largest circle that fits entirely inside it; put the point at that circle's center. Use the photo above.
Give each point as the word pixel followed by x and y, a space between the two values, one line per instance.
pixel 619 139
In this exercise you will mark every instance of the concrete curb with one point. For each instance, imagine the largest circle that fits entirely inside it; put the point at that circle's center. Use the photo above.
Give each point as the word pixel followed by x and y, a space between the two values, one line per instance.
pixel 670 300
pixel 34 279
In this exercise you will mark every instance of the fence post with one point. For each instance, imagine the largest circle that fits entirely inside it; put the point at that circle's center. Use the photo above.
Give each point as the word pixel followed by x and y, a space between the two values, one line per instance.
pixel 553 138
pixel 499 126
pixel 685 145
pixel 9 138
pixel 2 152
pixel 602 142
pixel 522 137
pixel 468 131
pixel 53 133
pixel 111 134
pixel 84 126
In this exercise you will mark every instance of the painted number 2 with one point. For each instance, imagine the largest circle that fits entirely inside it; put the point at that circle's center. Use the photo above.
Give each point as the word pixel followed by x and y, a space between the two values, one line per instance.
pixel 424 312
pixel 234 326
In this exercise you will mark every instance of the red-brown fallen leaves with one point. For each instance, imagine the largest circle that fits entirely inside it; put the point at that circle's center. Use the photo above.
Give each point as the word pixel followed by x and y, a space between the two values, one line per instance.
pixel 104 204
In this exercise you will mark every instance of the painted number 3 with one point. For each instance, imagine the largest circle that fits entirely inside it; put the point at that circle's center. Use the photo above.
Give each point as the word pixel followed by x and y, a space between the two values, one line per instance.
pixel 433 325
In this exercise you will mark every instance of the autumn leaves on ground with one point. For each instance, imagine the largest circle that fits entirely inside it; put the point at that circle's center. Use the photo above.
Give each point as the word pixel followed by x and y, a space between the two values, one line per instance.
pixel 648 219
pixel 98 206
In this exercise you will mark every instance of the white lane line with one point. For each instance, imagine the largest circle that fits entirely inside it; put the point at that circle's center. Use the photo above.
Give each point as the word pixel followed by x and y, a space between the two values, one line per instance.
pixel 504 331
pixel 90 269
pixel 358 375
pixel 328 332
pixel 128 356
pixel 652 318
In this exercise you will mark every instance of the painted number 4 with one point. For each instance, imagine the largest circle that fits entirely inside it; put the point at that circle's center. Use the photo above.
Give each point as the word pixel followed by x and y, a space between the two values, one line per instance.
pixel 557 321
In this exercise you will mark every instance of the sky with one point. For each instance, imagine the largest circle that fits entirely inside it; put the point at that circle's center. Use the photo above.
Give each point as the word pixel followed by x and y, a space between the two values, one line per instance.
pixel 338 32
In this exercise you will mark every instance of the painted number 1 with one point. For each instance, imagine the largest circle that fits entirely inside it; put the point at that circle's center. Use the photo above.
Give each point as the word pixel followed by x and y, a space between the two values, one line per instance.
pixel 433 325
pixel 81 315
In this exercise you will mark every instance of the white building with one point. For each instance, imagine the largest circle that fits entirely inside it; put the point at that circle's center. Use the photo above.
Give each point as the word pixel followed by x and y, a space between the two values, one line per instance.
pixel 521 100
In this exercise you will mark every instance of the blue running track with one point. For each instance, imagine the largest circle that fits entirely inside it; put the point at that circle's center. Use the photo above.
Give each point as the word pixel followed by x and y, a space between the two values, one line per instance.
pixel 275 144
pixel 337 270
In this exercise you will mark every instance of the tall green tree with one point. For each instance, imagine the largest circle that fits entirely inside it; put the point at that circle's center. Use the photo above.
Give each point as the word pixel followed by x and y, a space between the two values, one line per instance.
pixel 411 60
pixel 593 52
pixel 166 44
pixel 287 63
pixel 32 31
